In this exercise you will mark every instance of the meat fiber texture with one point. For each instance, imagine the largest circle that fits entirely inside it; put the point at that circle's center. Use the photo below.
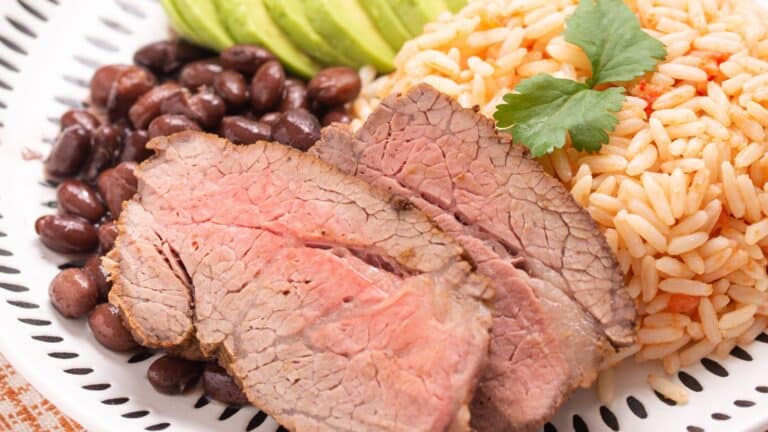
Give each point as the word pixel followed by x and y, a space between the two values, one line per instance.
pixel 560 301
pixel 335 307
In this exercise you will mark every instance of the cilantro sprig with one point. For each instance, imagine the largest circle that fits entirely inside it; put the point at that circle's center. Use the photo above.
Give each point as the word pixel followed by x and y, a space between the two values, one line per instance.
pixel 544 109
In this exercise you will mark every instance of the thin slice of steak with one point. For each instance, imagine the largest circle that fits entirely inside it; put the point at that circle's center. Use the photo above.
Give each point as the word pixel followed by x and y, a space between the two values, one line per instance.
pixel 560 303
pixel 335 307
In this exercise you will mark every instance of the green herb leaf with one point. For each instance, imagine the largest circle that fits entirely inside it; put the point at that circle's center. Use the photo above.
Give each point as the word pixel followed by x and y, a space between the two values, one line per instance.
pixel 610 34
pixel 545 108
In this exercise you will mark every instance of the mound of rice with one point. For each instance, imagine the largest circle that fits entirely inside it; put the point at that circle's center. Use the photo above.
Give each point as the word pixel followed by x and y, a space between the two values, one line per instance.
pixel 680 191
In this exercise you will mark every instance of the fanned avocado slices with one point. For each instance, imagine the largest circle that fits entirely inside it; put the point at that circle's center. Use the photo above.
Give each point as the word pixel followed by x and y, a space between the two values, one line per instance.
pixel 345 25
pixel 415 13
pixel 178 24
pixel 291 17
pixel 249 23
pixel 455 5
pixel 201 17
pixel 386 20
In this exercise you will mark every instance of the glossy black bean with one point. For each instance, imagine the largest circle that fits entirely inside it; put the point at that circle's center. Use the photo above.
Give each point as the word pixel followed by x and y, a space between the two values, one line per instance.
pixel 267 86
pixel 242 130
pixel 294 95
pixel 77 198
pixel 333 87
pixel 204 108
pixel 149 104
pixel 169 124
pixel 270 118
pixel 297 128
pixel 106 144
pixel 95 270
pixel 79 117
pixel 336 116
pixel 246 59
pixel 102 81
pixel 73 293
pixel 165 57
pixel 233 88
pixel 67 234
pixel 129 86
pixel 173 375
pixel 69 152
pixel 108 328
pixel 107 235
pixel 117 185
pixel 135 146
pixel 222 387
pixel 199 73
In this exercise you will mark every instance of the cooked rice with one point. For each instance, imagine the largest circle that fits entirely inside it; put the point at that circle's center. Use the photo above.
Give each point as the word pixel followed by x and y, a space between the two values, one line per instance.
pixel 681 189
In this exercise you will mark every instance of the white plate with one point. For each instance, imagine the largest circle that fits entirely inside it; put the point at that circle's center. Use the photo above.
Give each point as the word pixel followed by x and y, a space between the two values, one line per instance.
pixel 48 50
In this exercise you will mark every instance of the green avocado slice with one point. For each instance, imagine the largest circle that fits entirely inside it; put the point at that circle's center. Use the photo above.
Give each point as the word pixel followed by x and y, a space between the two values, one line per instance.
pixel 290 16
pixel 178 24
pixel 201 17
pixel 415 13
pixel 455 5
pixel 250 23
pixel 344 24
pixel 386 20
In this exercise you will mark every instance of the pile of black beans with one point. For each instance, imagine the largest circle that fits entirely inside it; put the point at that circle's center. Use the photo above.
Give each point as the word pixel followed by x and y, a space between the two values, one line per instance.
pixel 243 94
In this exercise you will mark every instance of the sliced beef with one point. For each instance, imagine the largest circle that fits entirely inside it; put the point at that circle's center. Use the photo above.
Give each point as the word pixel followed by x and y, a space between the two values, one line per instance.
pixel 335 307
pixel 560 303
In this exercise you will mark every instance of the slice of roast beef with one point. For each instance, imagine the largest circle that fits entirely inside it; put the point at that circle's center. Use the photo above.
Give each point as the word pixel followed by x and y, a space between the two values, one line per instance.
pixel 560 302
pixel 335 307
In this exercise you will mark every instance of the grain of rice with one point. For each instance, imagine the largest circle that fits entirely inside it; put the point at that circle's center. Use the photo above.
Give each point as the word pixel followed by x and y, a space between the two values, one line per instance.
pixel 642 209
pixel 747 295
pixel 606 385
pixel 685 286
pixel 695 330
pixel 724 348
pixel 733 197
pixel 709 323
pixel 669 389
pixel 756 232
pixel 689 224
pixel 671 364
pixel 757 327
pixel 696 191
pixel 695 262
pixel 672 267
pixel 737 317
pixel 647 231
pixel 659 351
pixel 686 243
pixel 737 331
pixel 696 352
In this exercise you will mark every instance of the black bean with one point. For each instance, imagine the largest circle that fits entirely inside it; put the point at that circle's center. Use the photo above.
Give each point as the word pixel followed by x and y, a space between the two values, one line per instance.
pixel 336 116
pixel 169 124
pixel 232 87
pixel 271 118
pixel 69 152
pixel 116 185
pixel 173 375
pixel 149 105
pixel 204 108
pixel 199 73
pixel 106 144
pixel 297 128
pixel 73 293
pixel 165 57
pixel 98 275
pixel 79 199
pixel 79 117
pixel 267 86
pixel 107 235
pixel 222 387
pixel 246 59
pixel 135 146
pixel 67 234
pixel 102 81
pixel 108 328
pixel 333 87
pixel 294 95
pixel 129 86
pixel 242 130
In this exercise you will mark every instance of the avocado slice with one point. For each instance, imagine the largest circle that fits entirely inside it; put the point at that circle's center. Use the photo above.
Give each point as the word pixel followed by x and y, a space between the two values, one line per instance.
pixel 250 23
pixel 290 16
pixel 344 24
pixel 386 20
pixel 415 13
pixel 178 24
pixel 455 5
pixel 201 17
